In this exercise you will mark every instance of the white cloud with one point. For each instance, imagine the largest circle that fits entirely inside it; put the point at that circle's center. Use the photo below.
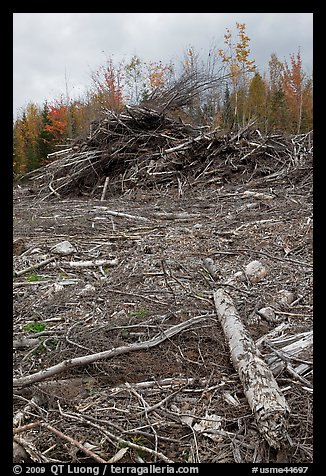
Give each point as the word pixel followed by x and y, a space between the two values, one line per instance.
pixel 47 44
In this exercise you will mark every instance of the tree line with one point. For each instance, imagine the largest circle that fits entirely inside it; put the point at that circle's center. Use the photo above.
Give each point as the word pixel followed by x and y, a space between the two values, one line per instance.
pixel 277 99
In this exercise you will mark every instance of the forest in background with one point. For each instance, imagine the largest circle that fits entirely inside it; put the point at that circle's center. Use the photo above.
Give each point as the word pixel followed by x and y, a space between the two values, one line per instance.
pixel 279 99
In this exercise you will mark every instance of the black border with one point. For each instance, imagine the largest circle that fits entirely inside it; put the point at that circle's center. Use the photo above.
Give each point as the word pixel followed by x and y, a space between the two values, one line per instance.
pixel 7 229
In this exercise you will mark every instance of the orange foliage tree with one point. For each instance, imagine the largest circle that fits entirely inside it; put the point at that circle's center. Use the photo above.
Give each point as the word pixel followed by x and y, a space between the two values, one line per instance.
pixel 289 95
pixel 109 83
pixel 54 129
pixel 159 75
pixel 58 122
pixel 293 85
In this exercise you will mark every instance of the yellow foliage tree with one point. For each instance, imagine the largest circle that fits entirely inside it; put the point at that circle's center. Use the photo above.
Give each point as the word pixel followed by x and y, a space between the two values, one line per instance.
pixel 236 57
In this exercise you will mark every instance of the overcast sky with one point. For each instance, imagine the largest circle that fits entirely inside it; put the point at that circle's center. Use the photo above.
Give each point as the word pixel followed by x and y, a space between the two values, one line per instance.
pixel 46 46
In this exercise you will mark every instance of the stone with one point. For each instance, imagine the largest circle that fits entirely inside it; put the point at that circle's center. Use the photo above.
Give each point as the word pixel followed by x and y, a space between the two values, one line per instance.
pixel 19 246
pixel 63 248
pixel 255 271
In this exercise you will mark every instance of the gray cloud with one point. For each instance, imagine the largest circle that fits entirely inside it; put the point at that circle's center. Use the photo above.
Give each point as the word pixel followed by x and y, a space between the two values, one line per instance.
pixel 47 44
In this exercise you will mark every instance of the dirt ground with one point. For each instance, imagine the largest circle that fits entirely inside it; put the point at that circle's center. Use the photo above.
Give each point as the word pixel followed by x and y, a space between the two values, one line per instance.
pixel 181 400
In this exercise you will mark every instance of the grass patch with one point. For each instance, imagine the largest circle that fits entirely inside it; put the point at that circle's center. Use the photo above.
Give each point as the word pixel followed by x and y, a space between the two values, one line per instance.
pixel 35 327
pixel 32 278
pixel 140 313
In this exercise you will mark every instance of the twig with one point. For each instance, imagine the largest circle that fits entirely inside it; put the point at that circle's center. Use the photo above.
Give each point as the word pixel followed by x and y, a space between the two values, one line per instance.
pixel 74 442
pixel 106 183
pixel 90 264
pixel 116 438
pixel 54 191
pixel 159 404
pixel 168 285
pixel 27 427
pixel 142 296
pixel 61 435
pixel 34 266
pixel 126 215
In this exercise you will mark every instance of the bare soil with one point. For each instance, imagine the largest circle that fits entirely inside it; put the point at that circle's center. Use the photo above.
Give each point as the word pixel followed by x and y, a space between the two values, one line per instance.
pixel 193 408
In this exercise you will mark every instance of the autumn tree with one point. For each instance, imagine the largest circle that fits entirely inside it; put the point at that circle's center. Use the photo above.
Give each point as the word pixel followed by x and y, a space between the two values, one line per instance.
pixel 257 101
pixel 26 132
pixel 159 75
pixel 278 114
pixel 54 128
pixel 289 95
pixel 82 112
pixel 57 125
pixel 136 80
pixel 108 81
pixel 236 57
pixel 293 85
pixel 19 145
pixel 307 106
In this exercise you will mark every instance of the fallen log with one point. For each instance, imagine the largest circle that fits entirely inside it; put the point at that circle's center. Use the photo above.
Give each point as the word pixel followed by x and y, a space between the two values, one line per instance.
pixel 265 399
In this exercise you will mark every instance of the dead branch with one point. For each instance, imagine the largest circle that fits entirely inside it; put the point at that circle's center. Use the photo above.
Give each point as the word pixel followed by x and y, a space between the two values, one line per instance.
pixel 90 264
pixel 261 389
pixel 59 433
pixel 34 266
pixel 74 442
pixel 124 215
pixel 88 359
pixel 114 437
pixel 106 183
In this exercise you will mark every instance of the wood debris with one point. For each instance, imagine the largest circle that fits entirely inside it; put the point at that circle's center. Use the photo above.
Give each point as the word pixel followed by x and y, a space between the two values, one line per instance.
pixel 118 352
pixel 141 147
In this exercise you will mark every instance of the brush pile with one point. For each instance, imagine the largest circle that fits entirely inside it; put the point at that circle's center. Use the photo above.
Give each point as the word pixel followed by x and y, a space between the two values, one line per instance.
pixel 141 147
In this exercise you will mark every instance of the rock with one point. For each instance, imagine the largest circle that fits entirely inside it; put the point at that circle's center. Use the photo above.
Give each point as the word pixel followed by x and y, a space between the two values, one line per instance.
pixel 281 300
pixel 63 248
pixel 210 266
pixel 18 246
pixel 284 297
pixel 267 313
pixel 87 290
pixel 255 271
pixel 19 454
pixel 239 276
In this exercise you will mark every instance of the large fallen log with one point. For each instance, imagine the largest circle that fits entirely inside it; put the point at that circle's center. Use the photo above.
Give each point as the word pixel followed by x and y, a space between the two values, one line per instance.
pixel 265 399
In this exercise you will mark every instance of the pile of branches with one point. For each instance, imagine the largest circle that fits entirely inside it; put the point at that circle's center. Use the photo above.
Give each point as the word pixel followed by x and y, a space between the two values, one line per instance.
pixel 145 147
